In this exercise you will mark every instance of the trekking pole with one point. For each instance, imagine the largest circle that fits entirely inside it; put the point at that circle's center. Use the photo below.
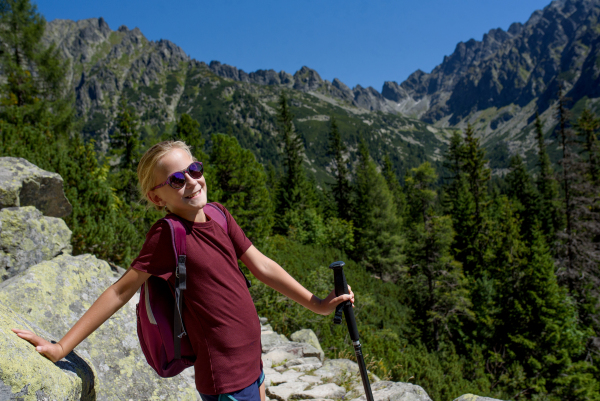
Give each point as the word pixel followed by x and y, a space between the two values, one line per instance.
pixel 341 287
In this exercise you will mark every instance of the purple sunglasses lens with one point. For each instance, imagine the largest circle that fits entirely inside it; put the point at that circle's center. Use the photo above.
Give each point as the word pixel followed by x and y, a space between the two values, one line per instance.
pixel 177 180
pixel 195 170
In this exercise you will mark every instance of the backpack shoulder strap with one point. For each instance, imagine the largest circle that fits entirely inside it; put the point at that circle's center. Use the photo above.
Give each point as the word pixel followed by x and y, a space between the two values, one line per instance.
pixel 178 237
pixel 178 233
pixel 218 215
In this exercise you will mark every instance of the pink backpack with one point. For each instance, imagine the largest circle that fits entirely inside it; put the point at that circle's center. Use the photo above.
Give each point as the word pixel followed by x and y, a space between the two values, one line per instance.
pixel 160 327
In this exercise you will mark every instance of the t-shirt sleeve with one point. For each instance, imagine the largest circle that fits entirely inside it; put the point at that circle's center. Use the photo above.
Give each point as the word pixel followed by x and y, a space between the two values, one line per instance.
pixel 157 256
pixel 241 243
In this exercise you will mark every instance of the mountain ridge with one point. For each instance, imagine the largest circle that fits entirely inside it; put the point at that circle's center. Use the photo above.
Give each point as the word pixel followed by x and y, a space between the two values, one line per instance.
pixel 161 82
pixel 551 46
pixel 496 85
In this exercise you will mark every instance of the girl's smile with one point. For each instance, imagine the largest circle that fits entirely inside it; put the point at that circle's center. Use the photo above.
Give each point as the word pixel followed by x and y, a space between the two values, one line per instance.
pixel 194 194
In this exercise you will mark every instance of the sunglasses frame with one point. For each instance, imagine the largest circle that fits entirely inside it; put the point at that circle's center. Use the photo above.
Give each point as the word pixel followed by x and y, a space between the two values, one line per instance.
pixel 186 170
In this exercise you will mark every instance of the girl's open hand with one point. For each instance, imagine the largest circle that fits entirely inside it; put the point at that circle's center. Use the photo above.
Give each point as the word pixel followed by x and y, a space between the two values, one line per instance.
pixel 328 304
pixel 54 352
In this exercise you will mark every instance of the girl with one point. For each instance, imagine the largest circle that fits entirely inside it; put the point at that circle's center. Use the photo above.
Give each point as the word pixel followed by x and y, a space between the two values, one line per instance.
pixel 219 315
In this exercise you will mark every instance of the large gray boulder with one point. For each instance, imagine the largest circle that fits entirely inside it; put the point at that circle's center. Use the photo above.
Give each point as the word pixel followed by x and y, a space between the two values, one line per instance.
pixel 24 184
pixel 28 238
pixel 309 337
pixel 55 294
pixel 270 339
pixel 26 375
pixel 391 391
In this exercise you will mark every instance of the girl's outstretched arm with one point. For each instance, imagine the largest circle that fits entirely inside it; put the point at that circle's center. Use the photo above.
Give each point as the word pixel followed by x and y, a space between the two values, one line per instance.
pixel 273 275
pixel 111 300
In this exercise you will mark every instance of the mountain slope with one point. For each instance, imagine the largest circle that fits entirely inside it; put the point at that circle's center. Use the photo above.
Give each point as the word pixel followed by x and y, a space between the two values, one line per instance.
pixel 498 84
pixel 161 82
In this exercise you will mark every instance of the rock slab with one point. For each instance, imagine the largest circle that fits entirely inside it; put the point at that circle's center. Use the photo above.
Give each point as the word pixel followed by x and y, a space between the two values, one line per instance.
pixel 392 391
pixel 24 184
pixel 284 391
pixel 28 238
pixel 28 376
pixel 309 337
pixel 337 368
pixel 55 294
pixel 328 391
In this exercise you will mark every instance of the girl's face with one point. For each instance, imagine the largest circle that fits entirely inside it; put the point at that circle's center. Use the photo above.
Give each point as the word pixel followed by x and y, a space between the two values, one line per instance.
pixel 187 202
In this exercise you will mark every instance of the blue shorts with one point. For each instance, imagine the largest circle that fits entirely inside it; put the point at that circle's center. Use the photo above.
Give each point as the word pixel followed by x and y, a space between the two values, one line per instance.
pixel 249 393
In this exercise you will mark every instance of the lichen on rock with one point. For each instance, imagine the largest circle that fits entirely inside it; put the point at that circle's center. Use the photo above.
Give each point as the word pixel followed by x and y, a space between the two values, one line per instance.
pixel 55 294
pixel 28 238
pixel 28 376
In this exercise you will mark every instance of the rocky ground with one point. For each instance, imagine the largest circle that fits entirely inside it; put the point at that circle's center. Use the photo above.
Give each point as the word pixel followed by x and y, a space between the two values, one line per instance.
pixel 45 289
pixel 297 370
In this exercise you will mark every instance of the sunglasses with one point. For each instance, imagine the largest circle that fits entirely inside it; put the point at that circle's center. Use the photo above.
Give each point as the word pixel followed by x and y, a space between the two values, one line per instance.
pixel 177 179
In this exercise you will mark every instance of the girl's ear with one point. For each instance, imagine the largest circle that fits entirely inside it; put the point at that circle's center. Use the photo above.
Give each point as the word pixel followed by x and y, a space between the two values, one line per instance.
pixel 154 198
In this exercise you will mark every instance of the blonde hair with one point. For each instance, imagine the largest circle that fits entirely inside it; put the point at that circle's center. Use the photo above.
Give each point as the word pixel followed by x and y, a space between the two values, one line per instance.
pixel 147 166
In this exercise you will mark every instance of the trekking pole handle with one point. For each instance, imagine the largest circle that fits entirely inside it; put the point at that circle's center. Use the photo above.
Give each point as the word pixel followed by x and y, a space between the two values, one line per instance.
pixel 341 288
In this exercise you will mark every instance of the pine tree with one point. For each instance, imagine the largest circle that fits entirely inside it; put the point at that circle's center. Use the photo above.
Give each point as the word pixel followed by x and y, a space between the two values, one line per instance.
pixel 34 109
pixel 420 195
pixel 188 130
pixel 454 157
pixel 583 277
pixel 378 240
pixel 476 172
pixel 547 187
pixel 96 221
pixel 293 150
pixel 458 200
pixel 436 282
pixel 587 127
pixel 566 141
pixel 341 188
pixel 394 185
pixel 125 147
pixel 521 189
pixel 468 200
pixel 239 182
pixel 453 168
pixel 539 325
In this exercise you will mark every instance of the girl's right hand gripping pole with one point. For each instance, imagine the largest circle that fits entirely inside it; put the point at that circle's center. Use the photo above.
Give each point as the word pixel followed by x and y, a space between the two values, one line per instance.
pixel 341 287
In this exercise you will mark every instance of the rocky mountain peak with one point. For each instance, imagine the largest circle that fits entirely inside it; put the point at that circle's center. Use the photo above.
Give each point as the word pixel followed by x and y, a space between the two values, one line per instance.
pixel 340 85
pixel 515 28
pixel 307 79
pixel 514 67
pixel 510 73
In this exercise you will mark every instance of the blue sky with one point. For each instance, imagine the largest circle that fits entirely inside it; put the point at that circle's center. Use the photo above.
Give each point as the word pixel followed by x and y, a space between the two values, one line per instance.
pixel 362 42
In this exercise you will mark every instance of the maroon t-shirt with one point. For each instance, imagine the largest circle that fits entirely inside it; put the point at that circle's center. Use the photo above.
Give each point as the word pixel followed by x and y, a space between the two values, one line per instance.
pixel 219 314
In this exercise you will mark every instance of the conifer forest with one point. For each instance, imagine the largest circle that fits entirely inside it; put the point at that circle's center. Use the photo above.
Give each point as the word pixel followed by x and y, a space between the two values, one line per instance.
pixel 466 280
